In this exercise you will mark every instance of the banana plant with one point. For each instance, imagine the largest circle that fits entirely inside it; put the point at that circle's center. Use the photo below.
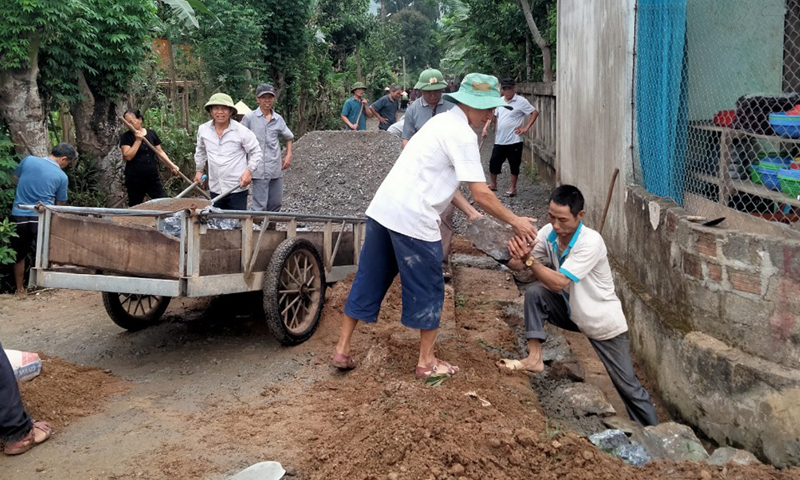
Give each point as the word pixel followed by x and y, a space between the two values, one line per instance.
pixel 185 10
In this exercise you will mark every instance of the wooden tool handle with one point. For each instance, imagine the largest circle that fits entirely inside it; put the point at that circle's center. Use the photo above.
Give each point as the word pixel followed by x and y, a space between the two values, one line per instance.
pixel 608 200
pixel 164 159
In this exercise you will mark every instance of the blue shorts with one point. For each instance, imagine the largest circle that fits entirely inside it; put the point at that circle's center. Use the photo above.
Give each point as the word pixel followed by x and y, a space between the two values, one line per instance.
pixel 385 254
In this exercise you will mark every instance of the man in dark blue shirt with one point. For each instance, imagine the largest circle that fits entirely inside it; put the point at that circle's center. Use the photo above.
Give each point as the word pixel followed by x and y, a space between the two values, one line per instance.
pixel 38 180
pixel 385 108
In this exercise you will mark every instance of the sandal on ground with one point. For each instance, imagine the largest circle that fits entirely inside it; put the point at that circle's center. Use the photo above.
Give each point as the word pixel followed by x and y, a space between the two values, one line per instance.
pixel 511 194
pixel 427 372
pixel 493 189
pixel 39 433
pixel 342 361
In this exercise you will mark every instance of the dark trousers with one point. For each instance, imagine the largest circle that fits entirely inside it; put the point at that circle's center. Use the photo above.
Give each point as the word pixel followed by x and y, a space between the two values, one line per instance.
pixel 542 305
pixel 513 153
pixel 14 421
pixel 234 201
pixel 446 229
pixel 140 185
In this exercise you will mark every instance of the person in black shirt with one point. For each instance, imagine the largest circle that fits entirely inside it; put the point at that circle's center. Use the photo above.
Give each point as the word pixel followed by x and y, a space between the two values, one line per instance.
pixel 141 164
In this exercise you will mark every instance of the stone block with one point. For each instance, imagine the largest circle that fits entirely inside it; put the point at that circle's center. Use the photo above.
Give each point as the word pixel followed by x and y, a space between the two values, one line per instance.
pixel 634 455
pixel 474 261
pixel 586 400
pixel 745 281
pixel 556 348
pixel 490 237
pixel 567 370
pixel 609 440
pixel 670 441
pixel 706 244
pixel 692 266
pixel 741 247
pixel 622 423
pixel 722 456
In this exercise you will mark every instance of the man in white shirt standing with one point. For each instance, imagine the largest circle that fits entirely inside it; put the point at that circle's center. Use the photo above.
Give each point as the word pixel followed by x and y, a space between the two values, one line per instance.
pixel 402 231
pixel 575 291
pixel 508 140
pixel 231 152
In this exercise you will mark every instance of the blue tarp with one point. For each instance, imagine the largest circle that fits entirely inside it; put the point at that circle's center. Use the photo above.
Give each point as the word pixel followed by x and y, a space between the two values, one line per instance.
pixel 661 95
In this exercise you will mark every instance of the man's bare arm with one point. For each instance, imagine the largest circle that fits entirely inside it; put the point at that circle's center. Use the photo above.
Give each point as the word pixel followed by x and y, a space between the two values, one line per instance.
pixel 489 202
pixel 462 204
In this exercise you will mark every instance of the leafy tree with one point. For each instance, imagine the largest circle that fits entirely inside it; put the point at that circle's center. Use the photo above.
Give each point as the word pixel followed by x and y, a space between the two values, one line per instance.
pixel 497 43
pixel 429 8
pixel 416 39
pixel 232 55
pixel 345 24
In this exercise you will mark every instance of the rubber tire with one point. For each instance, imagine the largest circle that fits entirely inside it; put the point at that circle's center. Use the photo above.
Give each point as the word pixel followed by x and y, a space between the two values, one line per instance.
pixel 127 321
pixel 271 281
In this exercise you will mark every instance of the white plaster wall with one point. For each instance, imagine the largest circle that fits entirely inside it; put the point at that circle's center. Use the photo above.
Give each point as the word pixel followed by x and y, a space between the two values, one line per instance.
pixel 595 72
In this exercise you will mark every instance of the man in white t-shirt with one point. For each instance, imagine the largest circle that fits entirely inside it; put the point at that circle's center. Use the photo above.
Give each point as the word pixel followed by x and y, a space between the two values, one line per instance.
pixel 575 291
pixel 508 141
pixel 402 230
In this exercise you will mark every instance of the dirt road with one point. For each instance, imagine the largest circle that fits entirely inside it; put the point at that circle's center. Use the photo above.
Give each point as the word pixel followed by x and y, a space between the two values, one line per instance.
pixel 208 392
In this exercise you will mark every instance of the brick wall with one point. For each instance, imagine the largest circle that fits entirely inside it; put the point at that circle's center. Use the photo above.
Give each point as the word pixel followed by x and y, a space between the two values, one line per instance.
pixel 742 289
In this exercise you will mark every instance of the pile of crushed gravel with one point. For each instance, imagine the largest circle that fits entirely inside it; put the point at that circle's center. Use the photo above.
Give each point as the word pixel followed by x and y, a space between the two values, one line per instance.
pixel 338 172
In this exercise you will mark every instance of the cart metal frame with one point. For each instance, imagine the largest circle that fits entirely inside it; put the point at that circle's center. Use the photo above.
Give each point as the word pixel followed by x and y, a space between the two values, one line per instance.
pixel 190 283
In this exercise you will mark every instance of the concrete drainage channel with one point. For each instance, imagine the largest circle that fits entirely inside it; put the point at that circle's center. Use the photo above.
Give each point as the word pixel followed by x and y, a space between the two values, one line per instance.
pixel 572 404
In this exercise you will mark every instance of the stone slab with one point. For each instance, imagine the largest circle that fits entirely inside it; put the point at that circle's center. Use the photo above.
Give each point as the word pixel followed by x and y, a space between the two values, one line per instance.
pixel 586 400
pixel 723 455
pixel 490 237
pixel 670 441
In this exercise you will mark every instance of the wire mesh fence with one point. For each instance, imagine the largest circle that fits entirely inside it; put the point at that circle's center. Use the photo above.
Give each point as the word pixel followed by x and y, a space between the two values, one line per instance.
pixel 717 107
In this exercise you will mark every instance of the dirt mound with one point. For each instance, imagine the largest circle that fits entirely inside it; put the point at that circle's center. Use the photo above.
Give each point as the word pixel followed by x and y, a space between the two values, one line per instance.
pixel 338 172
pixel 379 422
pixel 65 391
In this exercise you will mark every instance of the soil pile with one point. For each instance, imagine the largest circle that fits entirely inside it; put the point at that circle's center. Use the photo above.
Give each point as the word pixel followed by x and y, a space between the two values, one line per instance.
pixel 338 172
pixel 378 422
pixel 65 391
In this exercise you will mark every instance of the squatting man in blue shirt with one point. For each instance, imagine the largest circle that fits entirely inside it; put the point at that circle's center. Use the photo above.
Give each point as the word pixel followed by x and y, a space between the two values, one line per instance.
pixel 575 291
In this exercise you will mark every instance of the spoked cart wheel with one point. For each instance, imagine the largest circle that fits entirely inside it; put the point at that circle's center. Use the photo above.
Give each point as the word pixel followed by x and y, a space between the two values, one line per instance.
pixel 294 291
pixel 132 311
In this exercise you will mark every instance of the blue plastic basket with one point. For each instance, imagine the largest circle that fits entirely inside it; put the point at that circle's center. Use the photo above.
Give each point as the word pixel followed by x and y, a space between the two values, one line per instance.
pixel 770 178
pixel 787 126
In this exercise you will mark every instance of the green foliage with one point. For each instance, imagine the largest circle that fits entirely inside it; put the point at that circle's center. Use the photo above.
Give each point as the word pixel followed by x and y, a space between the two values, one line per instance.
pixel 106 42
pixel 7 231
pixel 7 189
pixel 184 10
pixel 496 44
pixel 84 184
pixel 26 23
pixel 345 24
pixel 231 53
pixel 416 39
pixel 7 165
pixel 179 146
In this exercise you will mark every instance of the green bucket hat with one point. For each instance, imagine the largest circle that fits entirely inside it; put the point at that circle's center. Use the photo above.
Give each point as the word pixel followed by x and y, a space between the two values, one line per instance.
pixel 221 99
pixel 431 79
pixel 478 91
pixel 356 86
